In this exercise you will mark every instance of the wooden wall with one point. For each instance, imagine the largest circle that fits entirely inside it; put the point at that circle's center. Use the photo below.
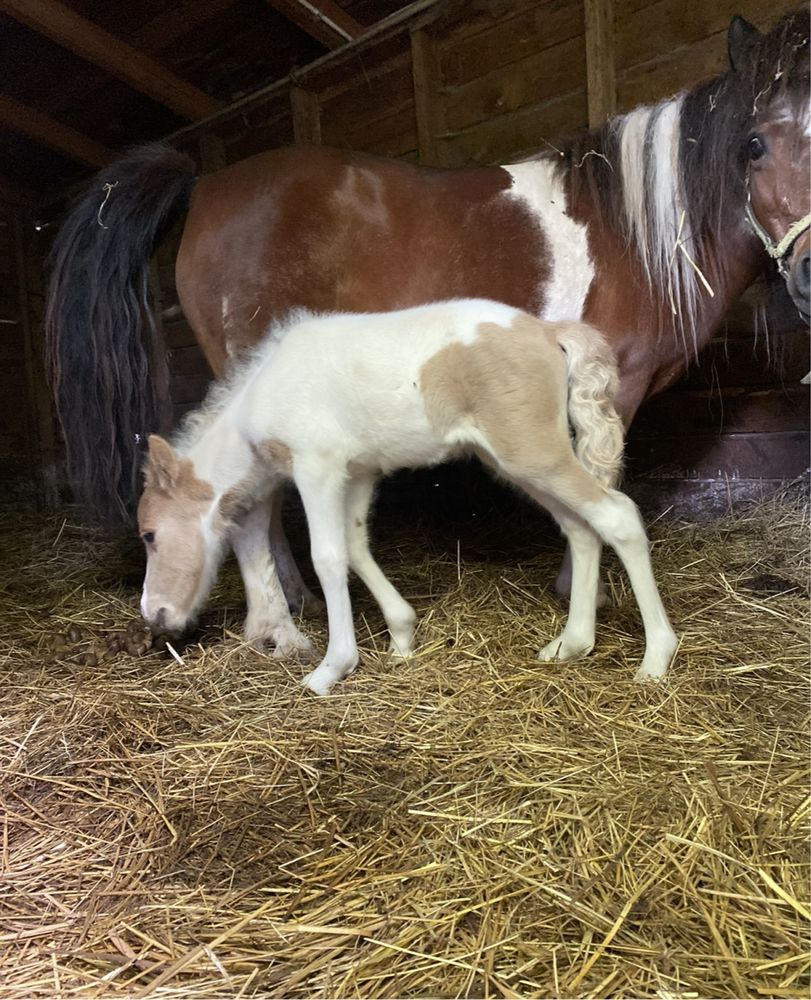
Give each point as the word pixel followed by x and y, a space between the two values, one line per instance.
pixel 27 463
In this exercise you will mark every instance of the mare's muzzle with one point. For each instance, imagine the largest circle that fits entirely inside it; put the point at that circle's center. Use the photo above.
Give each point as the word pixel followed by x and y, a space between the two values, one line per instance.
pixel 796 272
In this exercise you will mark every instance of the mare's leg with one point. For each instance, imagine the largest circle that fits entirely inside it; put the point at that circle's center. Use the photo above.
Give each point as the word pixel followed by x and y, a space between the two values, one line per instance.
pixel 298 594
pixel 268 615
pixel 322 488
pixel 400 616
pixel 584 547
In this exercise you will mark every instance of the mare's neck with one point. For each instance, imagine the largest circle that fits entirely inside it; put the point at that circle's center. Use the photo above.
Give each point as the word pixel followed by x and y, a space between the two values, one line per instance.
pixel 661 192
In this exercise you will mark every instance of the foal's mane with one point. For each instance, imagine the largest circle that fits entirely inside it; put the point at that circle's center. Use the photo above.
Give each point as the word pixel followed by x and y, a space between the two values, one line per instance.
pixel 675 172
pixel 222 393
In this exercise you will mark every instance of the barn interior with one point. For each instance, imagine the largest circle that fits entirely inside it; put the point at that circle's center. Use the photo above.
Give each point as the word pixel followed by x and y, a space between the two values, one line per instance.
pixel 186 821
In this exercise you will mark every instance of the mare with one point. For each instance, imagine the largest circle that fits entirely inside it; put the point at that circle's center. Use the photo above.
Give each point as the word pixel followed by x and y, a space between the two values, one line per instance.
pixel 648 228
pixel 334 402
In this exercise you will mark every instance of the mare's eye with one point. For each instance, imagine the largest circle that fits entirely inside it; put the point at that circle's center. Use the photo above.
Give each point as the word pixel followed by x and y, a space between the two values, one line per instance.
pixel 148 537
pixel 757 148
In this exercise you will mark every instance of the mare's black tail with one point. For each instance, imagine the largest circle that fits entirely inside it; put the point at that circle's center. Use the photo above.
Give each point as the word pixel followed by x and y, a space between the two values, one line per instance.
pixel 107 368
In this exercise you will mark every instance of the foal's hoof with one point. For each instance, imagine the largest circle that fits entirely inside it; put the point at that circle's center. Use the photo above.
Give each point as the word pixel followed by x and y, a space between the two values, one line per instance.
pixel 651 673
pixel 563 649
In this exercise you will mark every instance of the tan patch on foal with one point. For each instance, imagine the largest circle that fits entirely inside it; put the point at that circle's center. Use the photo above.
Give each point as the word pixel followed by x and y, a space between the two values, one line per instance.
pixel 511 385
pixel 276 454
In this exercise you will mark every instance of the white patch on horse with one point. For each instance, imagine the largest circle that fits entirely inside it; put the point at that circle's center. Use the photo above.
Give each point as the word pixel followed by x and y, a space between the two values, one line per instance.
pixel 537 184
pixel 362 193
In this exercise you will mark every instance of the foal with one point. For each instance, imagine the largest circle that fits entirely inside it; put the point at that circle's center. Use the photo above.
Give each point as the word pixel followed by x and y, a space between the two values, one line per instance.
pixel 334 402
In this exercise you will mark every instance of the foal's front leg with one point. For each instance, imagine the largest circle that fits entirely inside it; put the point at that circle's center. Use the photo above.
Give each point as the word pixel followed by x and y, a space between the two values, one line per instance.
pixel 400 616
pixel 268 616
pixel 322 489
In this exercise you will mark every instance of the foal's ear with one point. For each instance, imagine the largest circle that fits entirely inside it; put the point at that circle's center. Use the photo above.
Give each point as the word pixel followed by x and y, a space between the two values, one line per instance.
pixel 740 38
pixel 162 466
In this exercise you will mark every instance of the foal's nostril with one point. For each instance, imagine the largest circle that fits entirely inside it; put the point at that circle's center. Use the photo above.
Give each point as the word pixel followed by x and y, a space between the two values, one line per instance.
pixel 160 619
pixel 802 274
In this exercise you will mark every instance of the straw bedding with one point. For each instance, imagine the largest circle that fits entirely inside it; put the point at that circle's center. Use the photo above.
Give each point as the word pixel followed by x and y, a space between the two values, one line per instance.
pixel 470 824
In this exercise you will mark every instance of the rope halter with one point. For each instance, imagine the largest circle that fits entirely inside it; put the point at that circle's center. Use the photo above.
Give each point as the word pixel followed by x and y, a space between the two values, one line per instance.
pixel 779 252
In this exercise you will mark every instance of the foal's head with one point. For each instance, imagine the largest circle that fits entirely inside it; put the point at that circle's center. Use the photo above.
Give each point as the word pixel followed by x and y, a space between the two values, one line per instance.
pixel 184 534
pixel 773 70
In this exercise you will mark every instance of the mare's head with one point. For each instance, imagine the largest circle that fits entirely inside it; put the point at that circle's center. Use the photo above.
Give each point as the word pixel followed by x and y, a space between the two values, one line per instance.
pixel 773 72
pixel 184 533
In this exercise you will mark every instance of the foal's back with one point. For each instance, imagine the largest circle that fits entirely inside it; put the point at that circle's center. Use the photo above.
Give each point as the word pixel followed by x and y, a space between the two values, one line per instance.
pixel 410 387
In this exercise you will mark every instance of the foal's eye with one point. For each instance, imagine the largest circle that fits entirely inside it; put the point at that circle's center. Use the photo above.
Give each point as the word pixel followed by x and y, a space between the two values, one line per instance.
pixel 148 537
pixel 757 148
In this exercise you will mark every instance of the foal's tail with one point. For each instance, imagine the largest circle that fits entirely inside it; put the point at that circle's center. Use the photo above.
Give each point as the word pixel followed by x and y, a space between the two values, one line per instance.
pixel 593 381
pixel 107 366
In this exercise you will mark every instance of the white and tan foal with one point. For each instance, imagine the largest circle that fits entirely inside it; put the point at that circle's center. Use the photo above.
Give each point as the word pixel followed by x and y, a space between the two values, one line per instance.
pixel 334 402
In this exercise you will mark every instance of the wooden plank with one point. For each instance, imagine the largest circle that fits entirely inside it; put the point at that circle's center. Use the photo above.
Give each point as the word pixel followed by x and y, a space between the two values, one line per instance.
pixel 530 130
pixel 394 135
pixel 212 152
pixel 44 129
pixel 429 109
pixel 601 88
pixel 781 361
pixel 539 77
pixel 86 39
pixel 728 411
pixel 650 31
pixel 530 27
pixel 323 20
pixel 780 455
pixel 42 436
pixel 306 111
pixel 175 22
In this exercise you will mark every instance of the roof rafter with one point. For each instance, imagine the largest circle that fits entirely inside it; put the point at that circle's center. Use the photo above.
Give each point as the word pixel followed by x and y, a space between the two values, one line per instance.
pixel 323 20
pixel 88 40
pixel 46 130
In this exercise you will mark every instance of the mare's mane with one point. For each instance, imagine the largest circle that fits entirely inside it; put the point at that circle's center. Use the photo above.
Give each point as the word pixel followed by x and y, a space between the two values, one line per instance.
pixel 675 172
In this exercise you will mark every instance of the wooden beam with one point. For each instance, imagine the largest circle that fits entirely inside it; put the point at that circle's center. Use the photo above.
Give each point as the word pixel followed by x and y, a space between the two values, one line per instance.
pixel 426 74
pixel 306 115
pixel 44 129
pixel 321 19
pixel 600 64
pixel 86 39
pixel 212 153
pixel 177 20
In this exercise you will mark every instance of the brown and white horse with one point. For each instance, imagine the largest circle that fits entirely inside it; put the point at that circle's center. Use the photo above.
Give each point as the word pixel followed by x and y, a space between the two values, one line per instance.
pixel 649 228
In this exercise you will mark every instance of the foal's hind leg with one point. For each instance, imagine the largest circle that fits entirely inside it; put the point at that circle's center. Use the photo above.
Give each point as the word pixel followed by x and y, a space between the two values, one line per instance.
pixel 616 520
pixel 563 581
pixel 577 637
pixel 298 594
pixel 268 615
pixel 400 616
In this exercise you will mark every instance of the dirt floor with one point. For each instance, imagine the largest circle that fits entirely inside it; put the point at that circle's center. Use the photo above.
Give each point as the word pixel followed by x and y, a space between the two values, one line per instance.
pixel 470 824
